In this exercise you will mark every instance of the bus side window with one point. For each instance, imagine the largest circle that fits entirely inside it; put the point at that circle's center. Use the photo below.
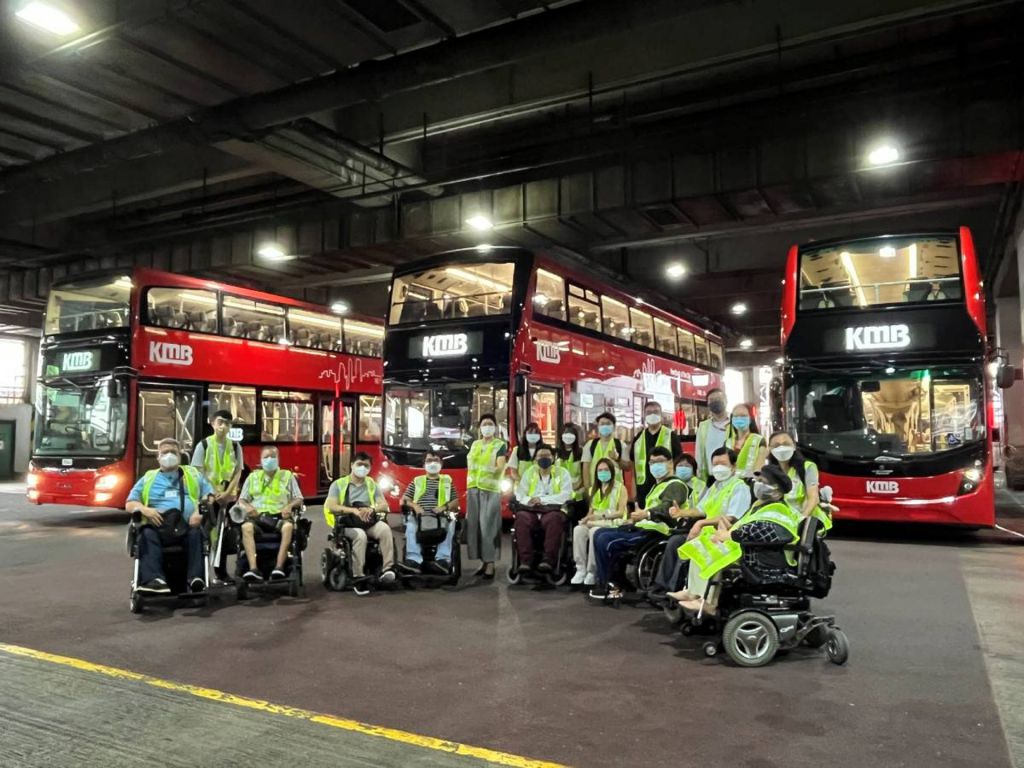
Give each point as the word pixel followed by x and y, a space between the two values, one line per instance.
pixel 185 310
pixel 549 298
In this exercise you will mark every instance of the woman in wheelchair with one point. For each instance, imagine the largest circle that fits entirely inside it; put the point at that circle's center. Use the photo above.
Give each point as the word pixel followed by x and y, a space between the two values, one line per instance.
pixel 803 474
pixel 268 501
pixel 607 510
pixel 431 493
pixel 168 500
pixel 758 538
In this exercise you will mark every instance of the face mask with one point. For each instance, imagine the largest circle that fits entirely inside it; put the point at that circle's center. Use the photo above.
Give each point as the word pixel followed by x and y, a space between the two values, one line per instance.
pixel 660 469
pixel 532 438
pixel 605 430
pixel 360 470
pixel 545 463
pixel 684 472
pixel 721 473
pixel 763 491
pixel 569 438
pixel 169 460
pixel 487 430
pixel 604 475
pixel 433 468
pixel 717 407
pixel 269 463
pixel 652 419
pixel 783 452
pixel 741 422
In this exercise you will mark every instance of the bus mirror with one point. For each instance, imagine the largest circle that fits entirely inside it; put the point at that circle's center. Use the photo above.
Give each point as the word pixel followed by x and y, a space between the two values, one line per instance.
pixel 113 388
pixel 520 385
pixel 870 386
pixel 1005 376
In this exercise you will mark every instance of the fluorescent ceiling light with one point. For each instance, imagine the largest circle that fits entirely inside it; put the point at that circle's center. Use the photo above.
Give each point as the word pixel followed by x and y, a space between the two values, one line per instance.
pixel 47 17
pixel 272 252
pixel 913 261
pixel 887 252
pixel 739 308
pixel 484 248
pixel 883 154
pixel 466 274
pixel 676 270
pixel 746 343
pixel 339 307
pixel 479 222
pixel 854 277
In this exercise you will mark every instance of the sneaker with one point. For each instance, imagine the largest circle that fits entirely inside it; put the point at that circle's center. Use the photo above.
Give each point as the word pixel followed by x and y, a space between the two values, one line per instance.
pixel 589 580
pixel 577 578
pixel 545 567
pixel 277 575
pixel 155 587
pixel 409 566
pixel 388 577
pixel 361 589
pixel 524 568
pixel 253 576
pixel 197 585
pixel 439 567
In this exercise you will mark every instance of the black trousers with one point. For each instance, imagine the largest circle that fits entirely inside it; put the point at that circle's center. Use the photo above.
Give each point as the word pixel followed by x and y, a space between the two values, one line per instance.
pixel 672 576
pixel 151 554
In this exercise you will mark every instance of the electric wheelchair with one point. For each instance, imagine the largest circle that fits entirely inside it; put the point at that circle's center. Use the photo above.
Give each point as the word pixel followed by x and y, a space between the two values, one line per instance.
pixel 336 559
pixel 431 530
pixel 172 545
pixel 267 544
pixel 564 568
pixel 757 618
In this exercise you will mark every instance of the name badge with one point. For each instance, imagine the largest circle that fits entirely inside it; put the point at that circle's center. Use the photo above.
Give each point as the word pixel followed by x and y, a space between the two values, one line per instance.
pixel 171 494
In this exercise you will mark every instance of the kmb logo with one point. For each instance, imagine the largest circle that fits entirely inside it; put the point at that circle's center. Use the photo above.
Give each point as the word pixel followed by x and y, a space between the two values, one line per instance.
pixel 170 354
pixel 446 345
pixel 877 337
pixel 889 487
pixel 548 352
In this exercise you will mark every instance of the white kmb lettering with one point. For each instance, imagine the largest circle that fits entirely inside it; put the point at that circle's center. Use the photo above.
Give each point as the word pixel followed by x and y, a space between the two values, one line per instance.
pixel 446 345
pixel 548 352
pixel 170 354
pixel 889 487
pixel 868 337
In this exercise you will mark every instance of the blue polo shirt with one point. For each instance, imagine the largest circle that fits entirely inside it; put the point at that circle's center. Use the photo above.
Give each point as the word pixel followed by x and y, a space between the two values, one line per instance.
pixel 165 493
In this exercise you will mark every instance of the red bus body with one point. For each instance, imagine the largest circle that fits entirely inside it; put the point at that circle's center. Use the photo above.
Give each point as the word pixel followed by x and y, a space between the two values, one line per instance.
pixel 934 348
pixel 555 372
pixel 318 390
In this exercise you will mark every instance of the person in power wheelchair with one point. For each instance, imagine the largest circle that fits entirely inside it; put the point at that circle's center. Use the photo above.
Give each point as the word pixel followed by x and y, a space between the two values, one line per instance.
pixel 268 513
pixel 353 511
pixel 728 496
pixel 167 507
pixel 646 528
pixel 542 493
pixel 431 522
pixel 755 578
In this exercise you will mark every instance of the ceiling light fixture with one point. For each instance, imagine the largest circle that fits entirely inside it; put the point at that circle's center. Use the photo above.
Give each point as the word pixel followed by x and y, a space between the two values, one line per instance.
pixel 746 343
pixel 272 252
pixel 340 307
pixel 484 248
pixel 884 154
pixel 676 270
pixel 739 308
pixel 47 17
pixel 887 252
pixel 480 223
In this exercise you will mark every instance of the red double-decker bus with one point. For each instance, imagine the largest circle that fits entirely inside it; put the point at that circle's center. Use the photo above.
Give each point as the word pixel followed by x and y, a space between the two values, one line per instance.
pixel 886 381
pixel 527 337
pixel 131 357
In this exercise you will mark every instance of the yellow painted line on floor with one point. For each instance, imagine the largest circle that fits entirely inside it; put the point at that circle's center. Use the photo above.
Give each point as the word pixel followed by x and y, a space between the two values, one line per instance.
pixel 404 737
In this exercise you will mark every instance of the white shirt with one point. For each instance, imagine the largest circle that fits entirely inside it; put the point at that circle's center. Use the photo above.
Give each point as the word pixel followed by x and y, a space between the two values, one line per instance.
pixel 545 486
pixel 715 440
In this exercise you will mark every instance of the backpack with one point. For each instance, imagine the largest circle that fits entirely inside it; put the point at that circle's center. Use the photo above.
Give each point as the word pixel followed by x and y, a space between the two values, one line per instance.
pixel 820 569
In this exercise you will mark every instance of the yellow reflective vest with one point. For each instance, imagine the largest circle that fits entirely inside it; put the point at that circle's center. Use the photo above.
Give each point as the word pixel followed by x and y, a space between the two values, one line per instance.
pixel 482 455
pixel 219 469
pixel 269 495
pixel 664 440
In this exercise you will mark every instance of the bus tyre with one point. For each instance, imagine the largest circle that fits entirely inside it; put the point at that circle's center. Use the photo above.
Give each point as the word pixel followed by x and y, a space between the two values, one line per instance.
pixel 837 647
pixel 751 639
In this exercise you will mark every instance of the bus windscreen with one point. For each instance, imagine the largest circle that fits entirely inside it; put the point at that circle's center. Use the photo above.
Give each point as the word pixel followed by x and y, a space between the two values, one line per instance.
pixel 440 417
pixel 452 292
pixel 880 272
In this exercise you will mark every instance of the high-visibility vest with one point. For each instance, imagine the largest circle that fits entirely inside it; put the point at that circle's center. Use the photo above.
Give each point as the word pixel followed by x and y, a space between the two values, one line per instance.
pixel 558 481
pixel 747 452
pixel 444 489
pixel 342 483
pixel 481 455
pixel 718 495
pixel 710 557
pixel 655 495
pixel 523 465
pixel 575 470
pixel 598 451
pixel 696 486
pixel 191 476
pixel 269 495
pixel 798 495
pixel 218 469
pixel 608 505
pixel 640 451
pixel 703 464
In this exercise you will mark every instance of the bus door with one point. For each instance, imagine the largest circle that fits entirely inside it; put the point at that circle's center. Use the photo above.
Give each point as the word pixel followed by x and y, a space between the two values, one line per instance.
pixel 544 407
pixel 336 447
pixel 165 411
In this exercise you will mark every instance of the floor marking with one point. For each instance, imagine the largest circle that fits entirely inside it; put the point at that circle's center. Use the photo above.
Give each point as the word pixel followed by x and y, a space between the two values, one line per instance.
pixel 1007 530
pixel 404 737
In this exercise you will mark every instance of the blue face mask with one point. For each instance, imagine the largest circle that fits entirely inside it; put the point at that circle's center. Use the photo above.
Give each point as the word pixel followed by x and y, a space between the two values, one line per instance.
pixel 545 463
pixel 741 422
pixel 269 463
pixel 684 472
pixel 604 475
pixel 660 469
pixel 605 430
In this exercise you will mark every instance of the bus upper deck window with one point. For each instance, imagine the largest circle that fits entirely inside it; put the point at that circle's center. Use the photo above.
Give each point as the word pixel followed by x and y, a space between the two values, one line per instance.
pixel 665 335
pixel 700 346
pixel 616 318
pixel 643 327
pixel 452 292
pixel 549 298
pixel 89 305
pixel 686 345
pixel 314 330
pixel 584 309
pixel 247 319
pixel 363 339
pixel 185 310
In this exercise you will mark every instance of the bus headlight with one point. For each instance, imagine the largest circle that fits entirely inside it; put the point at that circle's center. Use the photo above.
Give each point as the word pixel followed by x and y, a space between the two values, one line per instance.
pixel 32 481
pixel 388 485
pixel 107 482
pixel 970 478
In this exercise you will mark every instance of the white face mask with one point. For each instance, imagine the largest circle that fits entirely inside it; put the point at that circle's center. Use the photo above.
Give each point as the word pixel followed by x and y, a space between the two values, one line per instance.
pixel 169 460
pixel 360 470
pixel 652 419
pixel 532 438
pixel 783 452
pixel 433 468
pixel 487 430
pixel 763 491
pixel 569 438
pixel 721 472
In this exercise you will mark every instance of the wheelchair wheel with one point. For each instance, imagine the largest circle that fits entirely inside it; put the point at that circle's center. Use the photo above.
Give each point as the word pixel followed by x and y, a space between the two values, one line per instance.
pixel 513 575
pixel 338 579
pixel 326 564
pixel 837 647
pixel 751 639
pixel 647 568
pixel 135 602
pixel 557 579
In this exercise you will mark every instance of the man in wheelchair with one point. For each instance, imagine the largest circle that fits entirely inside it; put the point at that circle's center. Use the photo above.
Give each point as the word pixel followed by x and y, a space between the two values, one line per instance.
pixel 432 495
pixel 168 499
pixel 542 492
pixel 268 502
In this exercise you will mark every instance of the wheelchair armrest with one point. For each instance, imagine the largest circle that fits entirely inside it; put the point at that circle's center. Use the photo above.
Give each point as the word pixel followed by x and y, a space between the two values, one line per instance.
pixel 136 517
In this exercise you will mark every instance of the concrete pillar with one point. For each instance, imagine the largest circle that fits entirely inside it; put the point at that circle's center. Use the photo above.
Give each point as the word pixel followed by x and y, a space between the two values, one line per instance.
pixel 1008 338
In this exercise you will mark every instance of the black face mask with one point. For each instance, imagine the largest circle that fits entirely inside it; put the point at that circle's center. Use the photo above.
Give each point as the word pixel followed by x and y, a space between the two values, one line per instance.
pixel 716 407
pixel 545 463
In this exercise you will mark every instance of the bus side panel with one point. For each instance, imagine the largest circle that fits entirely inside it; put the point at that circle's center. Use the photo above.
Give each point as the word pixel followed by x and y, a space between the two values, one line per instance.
pixel 914 500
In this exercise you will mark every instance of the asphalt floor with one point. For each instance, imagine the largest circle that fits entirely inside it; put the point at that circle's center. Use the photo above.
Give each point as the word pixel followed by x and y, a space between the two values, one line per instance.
pixel 491 674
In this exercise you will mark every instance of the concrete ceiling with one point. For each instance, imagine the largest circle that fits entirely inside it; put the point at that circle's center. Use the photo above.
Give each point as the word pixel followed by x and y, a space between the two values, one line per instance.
pixel 362 133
